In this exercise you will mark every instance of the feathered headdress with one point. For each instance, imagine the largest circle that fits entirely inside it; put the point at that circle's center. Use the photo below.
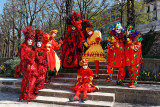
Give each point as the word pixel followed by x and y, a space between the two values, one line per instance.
pixel 75 16
pixel 53 31
pixel 83 62
pixel 38 35
pixel 28 32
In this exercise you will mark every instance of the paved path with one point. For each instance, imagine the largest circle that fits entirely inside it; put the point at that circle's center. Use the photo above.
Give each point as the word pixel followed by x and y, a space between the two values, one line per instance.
pixel 8 99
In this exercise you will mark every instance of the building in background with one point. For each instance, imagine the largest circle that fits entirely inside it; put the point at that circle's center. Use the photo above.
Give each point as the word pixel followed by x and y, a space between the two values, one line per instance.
pixel 152 8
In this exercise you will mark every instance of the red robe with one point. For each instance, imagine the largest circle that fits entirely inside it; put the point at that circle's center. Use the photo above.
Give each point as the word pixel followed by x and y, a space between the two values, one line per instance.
pixel 29 69
pixel 51 45
pixel 84 77
pixel 41 60
pixel 72 48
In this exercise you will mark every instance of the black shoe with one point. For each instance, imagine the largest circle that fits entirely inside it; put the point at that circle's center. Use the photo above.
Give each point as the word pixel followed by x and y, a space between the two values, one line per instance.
pixel 120 83
pixel 73 99
pixel 84 99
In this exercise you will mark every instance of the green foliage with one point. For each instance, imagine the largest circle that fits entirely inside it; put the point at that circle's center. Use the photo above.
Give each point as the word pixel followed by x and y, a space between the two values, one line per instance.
pixel 147 42
pixel 148 76
pixel 10 66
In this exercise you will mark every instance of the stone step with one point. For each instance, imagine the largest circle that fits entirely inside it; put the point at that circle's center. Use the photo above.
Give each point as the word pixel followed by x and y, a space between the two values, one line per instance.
pixel 10 88
pixel 65 101
pixel 74 80
pixel 98 96
pixel 100 66
pixel 101 76
pixel 100 63
pixel 101 71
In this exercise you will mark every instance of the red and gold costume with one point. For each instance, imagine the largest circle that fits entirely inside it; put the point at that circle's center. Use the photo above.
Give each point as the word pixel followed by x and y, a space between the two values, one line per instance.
pixel 116 55
pixel 41 60
pixel 72 48
pixel 95 52
pixel 84 78
pixel 133 54
pixel 51 45
pixel 27 66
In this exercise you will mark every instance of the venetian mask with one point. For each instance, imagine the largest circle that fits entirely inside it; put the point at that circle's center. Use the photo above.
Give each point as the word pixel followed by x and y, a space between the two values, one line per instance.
pixel 90 32
pixel 39 44
pixel 29 41
pixel 118 27
pixel 73 27
pixel 85 67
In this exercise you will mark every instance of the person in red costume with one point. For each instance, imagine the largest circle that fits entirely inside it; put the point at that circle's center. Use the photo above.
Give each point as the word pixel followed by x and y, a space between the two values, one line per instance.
pixel 84 77
pixel 133 54
pixel 116 57
pixel 41 60
pixel 72 48
pixel 27 65
pixel 52 57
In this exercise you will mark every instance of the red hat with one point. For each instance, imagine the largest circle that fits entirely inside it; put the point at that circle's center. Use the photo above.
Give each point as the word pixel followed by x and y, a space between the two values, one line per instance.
pixel 83 62
pixel 38 35
pixel 89 29
pixel 28 32
pixel 53 31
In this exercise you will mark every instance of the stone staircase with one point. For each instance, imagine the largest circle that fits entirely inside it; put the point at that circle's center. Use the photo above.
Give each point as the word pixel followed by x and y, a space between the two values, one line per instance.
pixel 58 90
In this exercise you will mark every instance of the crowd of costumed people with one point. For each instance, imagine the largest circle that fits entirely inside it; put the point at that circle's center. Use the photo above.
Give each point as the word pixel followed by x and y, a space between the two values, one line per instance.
pixel 79 46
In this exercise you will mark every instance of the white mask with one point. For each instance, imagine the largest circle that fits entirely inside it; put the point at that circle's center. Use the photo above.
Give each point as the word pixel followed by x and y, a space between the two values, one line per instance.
pixel 39 44
pixel 90 33
pixel 118 28
pixel 29 41
pixel 73 28
pixel 85 67
pixel 53 34
pixel 128 32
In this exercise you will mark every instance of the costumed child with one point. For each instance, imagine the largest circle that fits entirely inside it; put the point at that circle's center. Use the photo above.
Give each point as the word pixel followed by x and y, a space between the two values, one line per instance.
pixel 116 55
pixel 133 54
pixel 84 77
pixel 94 52
pixel 51 45
pixel 41 60
pixel 27 65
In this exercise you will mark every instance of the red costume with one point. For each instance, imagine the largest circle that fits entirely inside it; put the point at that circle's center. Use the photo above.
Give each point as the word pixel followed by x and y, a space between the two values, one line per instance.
pixel 84 77
pixel 51 45
pixel 116 57
pixel 72 48
pixel 27 66
pixel 41 60
pixel 133 55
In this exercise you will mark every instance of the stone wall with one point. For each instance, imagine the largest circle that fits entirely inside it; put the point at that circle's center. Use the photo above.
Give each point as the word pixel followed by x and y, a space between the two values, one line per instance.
pixel 151 64
pixel 155 49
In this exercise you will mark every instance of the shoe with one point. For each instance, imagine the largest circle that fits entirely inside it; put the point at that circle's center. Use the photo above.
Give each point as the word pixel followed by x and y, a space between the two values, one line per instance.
pixel 73 99
pixel 96 77
pixel 108 80
pixel 84 99
pixel 120 83
pixel 128 84
pixel 132 86
pixel 58 76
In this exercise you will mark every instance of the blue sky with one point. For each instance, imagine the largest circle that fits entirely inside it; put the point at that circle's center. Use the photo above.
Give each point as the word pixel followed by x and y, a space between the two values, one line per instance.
pixel 1 5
